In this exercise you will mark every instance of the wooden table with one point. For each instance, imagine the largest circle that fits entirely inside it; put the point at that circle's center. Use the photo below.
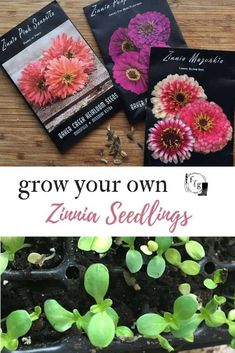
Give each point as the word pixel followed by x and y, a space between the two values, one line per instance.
pixel 205 24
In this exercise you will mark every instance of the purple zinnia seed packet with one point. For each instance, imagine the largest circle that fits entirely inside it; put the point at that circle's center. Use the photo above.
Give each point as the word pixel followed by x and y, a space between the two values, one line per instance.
pixel 125 32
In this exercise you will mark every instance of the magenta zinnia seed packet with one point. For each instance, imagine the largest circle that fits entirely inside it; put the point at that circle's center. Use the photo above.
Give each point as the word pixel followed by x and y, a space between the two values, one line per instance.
pixel 125 31
pixel 65 84
pixel 190 112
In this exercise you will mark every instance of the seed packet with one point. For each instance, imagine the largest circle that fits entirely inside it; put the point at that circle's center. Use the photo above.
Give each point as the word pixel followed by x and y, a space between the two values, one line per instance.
pixel 65 84
pixel 190 113
pixel 125 31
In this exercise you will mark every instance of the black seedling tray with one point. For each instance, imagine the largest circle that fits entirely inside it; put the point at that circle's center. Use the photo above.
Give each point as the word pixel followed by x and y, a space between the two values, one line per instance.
pixel 66 279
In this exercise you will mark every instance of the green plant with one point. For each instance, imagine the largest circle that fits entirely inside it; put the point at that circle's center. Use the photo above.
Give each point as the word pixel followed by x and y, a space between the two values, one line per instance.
pixel 189 267
pixel 157 265
pixel 39 259
pixel 100 323
pixel 18 323
pixel 219 276
pixel 187 315
pixel 194 249
pixel 98 244
pixel 181 322
pixel 134 260
pixel 11 245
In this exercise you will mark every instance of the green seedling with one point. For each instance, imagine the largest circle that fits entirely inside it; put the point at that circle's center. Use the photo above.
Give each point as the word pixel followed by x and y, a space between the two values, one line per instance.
pixel 11 245
pixel 194 249
pixel 18 324
pixel 212 313
pixel 157 265
pixel 100 323
pixel 151 326
pixel 134 260
pixel 182 322
pixel 39 259
pixel 184 288
pixel 189 267
pixel 219 276
pixel 97 244
pixel 231 325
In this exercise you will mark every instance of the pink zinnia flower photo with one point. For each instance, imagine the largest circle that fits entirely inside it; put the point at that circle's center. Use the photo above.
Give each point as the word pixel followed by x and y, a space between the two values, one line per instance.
pixel 131 73
pixel 32 84
pixel 63 45
pixel 173 93
pixel 149 27
pixel 211 128
pixel 120 43
pixel 65 77
pixel 171 141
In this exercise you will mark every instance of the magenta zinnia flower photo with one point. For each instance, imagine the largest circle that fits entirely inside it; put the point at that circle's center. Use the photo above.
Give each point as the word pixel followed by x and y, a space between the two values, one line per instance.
pixel 120 43
pixel 63 45
pixel 145 51
pixel 33 85
pixel 65 77
pixel 173 93
pixel 170 140
pixel 149 27
pixel 211 128
pixel 131 73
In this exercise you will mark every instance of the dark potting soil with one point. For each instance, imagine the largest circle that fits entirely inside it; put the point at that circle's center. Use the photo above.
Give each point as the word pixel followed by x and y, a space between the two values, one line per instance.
pixel 154 295
pixel 41 246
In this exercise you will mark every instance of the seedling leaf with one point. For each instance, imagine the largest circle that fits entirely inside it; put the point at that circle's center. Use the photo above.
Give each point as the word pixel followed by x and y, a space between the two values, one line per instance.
pixel 164 343
pixel 185 307
pixel 101 330
pixel 209 283
pixel 163 243
pixel 190 267
pixel 12 244
pixel 114 316
pixel 151 325
pixel 3 261
pixel 60 319
pixel 195 250
pixel 18 323
pixel 231 328
pixel 188 327
pixel 173 257
pixel 123 331
pixel 216 319
pixel 185 288
pixel 156 267
pixel 96 281
pixel 134 260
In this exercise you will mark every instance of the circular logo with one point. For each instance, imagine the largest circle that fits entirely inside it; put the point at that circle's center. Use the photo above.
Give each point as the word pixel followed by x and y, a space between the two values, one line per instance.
pixel 194 183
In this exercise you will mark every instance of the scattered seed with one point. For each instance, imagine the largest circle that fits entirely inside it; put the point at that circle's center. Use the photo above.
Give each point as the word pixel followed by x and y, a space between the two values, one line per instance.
pixel 104 160
pixel 117 161
pixel 124 154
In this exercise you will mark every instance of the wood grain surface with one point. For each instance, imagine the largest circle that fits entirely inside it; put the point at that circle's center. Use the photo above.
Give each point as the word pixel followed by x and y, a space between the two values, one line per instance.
pixel 206 24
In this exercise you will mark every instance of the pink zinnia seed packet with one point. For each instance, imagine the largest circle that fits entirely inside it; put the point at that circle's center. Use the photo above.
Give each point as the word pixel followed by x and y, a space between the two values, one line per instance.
pixel 126 40
pixel 194 89
pixel 60 77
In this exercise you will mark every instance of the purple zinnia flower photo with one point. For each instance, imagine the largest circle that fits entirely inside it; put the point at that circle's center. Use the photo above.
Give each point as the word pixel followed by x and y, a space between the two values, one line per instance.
pixel 131 73
pixel 145 52
pixel 149 27
pixel 120 43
